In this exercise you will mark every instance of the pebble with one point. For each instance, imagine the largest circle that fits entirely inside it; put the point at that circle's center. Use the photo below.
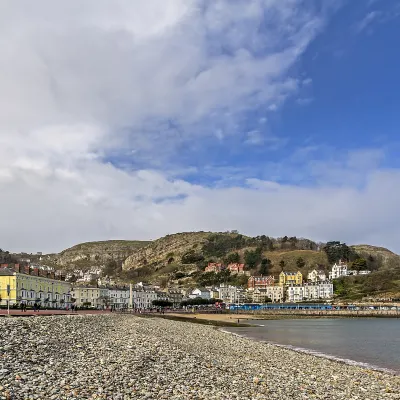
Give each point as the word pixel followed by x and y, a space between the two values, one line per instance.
pixel 123 357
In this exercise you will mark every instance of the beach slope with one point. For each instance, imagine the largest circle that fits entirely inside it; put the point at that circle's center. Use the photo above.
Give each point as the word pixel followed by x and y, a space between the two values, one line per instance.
pixel 126 357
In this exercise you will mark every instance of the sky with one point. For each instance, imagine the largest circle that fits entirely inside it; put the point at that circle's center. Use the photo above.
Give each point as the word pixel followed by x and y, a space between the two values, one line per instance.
pixel 135 119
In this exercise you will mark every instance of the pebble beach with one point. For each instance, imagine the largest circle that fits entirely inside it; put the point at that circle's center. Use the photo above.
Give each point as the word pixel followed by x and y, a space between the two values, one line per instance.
pixel 125 357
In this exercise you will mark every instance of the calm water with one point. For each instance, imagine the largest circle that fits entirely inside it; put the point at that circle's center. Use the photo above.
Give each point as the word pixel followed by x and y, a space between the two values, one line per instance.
pixel 371 341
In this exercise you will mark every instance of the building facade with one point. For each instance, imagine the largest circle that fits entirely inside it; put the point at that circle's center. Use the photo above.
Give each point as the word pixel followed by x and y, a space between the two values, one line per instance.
pixel 290 278
pixel 316 276
pixel 91 296
pixel 338 270
pixel 200 292
pixel 33 288
pixel 214 267
pixel 236 269
pixel 309 291
pixel 270 293
pixel 119 297
pixel 231 294
pixel 143 299
pixel 260 282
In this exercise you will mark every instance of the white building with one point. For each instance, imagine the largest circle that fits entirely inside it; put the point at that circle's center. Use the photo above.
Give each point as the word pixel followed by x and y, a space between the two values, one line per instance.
pixel 316 276
pixel 273 293
pixel 231 294
pixel 143 299
pixel 119 297
pixel 310 291
pixel 200 292
pixel 338 270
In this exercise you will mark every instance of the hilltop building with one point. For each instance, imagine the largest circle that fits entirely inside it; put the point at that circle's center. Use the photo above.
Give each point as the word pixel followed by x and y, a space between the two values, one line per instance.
pixel 236 268
pixel 338 270
pixel 214 267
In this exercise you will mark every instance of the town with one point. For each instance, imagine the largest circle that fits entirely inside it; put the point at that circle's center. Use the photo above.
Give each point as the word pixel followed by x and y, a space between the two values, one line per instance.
pixel 42 287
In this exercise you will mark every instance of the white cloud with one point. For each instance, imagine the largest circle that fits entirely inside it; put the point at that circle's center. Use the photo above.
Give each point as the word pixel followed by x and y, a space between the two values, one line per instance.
pixel 367 20
pixel 81 81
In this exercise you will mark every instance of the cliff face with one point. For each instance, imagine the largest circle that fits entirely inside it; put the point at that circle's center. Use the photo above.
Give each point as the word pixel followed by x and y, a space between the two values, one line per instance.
pixel 86 255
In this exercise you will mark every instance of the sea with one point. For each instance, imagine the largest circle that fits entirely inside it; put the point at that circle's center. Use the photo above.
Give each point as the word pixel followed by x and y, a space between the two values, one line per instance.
pixel 370 342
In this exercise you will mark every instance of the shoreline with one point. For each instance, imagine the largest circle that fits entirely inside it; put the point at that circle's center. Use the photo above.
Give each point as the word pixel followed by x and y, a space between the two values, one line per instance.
pixel 315 353
pixel 127 357
pixel 245 319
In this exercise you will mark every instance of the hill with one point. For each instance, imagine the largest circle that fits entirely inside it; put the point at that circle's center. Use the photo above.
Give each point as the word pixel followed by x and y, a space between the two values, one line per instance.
pixel 180 259
pixel 86 255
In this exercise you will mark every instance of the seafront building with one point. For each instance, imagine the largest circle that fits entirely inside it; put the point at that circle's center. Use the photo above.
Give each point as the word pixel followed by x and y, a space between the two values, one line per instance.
pixel 119 297
pixel 231 294
pixel 275 294
pixel 20 284
pixel 201 292
pixel 309 291
pixel 91 296
pixel 143 298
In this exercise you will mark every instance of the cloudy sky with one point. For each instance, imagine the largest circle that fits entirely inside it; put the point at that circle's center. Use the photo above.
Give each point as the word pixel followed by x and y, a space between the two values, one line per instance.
pixel 134 119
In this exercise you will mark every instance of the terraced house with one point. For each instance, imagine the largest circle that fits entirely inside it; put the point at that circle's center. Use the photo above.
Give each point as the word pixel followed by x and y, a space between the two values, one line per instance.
pixel 91 296
pixel 23 285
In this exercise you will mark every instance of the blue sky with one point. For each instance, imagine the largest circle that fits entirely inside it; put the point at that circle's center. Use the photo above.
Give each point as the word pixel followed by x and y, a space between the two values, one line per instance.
pixel 350 101
pixel 141 119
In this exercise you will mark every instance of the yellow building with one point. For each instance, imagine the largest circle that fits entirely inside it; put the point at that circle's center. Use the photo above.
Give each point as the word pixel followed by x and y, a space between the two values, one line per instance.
pixel 290 278
pixel 30 289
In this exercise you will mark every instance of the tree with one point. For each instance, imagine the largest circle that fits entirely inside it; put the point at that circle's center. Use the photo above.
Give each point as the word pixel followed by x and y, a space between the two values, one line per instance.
pixel 191 257
pixel 111 268
pixel 252 258
pixel 300 263
pixel 267 300
pixel 359 264
pixel 265 264
pixel 282 264
pixel 232 258
pixel 162 303
pixel 336 251
pixel 293 242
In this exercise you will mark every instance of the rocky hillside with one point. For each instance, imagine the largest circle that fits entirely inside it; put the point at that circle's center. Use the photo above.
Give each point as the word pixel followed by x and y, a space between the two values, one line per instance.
pixel 86 255
pixel 180 259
